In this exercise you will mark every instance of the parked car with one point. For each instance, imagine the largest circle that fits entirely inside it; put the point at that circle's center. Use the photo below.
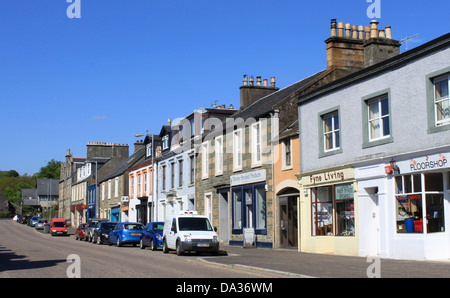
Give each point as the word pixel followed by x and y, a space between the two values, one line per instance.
pixel 101 233
pixel 189 232
pixel 33 220
pixel 152 235
pixel 58 226
pixel 40 224
pixel 126 232
pixel 91 226
pixel 80 232
pixel 23 219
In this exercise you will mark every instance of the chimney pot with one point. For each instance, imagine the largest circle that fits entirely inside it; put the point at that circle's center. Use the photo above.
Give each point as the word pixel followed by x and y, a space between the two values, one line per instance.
pixel 355 32
pixel 348 33
pixel 361 32
pixel 272 81
pixel 367 32
pixel 340 29
pixel 374 29
pixel 245 80
pixel 388 32
pixel 258 81
pixel 382 34
pixel 265 82
pixel 251 81
pixel 333 28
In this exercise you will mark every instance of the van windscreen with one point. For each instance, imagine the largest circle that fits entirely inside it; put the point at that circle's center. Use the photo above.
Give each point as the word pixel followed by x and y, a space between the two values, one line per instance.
pixel 194 224
pixel 59 224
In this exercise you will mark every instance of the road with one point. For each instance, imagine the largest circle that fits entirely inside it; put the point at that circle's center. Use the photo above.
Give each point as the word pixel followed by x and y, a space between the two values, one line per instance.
pixel 27 253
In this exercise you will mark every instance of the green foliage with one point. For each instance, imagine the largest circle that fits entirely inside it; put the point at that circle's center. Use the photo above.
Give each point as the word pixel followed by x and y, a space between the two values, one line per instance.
pixel 52 170
pixel 11 183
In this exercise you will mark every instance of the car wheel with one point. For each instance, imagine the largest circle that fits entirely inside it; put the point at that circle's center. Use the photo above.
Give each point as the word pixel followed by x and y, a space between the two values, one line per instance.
pixel 99 240
pixel 118 242
pixel 152 245
pixel 76 237
pixel 179 250
pixel 165 248
pixel 141 244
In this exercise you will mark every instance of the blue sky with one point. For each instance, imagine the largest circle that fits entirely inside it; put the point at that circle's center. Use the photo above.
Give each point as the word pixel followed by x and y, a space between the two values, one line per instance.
pixel 126 66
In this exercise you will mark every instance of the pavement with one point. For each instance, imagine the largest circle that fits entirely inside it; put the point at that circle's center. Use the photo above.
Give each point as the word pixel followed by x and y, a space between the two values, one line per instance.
pixel 294 264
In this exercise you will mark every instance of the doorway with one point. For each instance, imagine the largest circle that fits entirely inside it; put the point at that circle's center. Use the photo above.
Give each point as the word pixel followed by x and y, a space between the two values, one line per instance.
pixel 288 221
pixel 373 222
pixel 224 216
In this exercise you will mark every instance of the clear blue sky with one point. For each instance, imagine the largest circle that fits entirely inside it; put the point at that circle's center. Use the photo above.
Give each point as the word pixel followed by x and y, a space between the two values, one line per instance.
pixel 126 66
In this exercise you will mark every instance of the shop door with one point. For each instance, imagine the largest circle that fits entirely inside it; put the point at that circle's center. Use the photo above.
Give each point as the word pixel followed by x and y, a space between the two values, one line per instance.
pixel 224 217
pixel 373 222
pixel 288 222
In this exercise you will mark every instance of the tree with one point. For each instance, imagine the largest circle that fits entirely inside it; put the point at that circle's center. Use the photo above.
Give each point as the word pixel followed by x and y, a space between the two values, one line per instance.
pixel 52 170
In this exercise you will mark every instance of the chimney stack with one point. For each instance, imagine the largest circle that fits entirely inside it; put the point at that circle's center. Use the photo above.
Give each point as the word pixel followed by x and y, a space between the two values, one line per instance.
pixel 250 93
pixel 351 47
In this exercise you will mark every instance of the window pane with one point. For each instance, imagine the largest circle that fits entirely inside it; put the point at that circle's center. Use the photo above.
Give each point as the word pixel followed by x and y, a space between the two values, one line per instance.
pixel 434 182
pixel 374 110
pixel 384 107
pixel 345 218
pixel 322 209
pixel 336 135
pixel 443 110
pixel 260 208
pixel 237 212
pixel 336 121
pixel 441 88
pixel 435 213
pixel 374 129
pixel 329 141
pixel 409 214
pixel 328 124
pixel 386 130
pixel 417 180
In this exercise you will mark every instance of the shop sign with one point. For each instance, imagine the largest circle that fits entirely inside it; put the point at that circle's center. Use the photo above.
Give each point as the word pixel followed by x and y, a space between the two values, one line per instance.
pixel 248 178
pixel 327 177
pixel 424 163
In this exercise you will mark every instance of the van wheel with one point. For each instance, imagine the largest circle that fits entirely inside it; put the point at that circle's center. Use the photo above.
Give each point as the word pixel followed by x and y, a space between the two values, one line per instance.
pixel 179 251
pixel 165 248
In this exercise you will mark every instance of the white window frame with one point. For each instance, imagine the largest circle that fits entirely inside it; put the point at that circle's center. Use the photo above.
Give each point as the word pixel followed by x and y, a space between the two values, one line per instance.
pixel 109 189
pixel 378 118
pixel 218 151
pixel 256 144
pixel 237 149
pixel 445 121
pixel 333 132
pixel 205 160
pixel 116 187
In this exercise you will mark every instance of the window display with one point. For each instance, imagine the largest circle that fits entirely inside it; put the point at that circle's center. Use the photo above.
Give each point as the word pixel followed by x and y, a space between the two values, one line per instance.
pixel 333 210
pixel 419 197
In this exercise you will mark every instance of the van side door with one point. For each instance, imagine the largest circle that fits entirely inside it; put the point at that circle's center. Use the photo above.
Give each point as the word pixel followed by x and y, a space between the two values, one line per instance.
pixel 172 237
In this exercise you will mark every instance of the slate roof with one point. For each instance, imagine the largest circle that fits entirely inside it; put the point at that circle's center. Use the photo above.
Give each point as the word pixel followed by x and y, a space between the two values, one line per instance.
pixel 265 104
pixel 128 163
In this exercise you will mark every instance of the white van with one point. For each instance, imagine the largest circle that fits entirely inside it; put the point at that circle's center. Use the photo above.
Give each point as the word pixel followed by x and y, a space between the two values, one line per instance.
pixel 188 231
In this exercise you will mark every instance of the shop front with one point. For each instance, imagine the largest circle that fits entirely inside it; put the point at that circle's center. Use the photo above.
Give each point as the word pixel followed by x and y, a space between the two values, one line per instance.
pixel 328 212
pixel 249 209
pixel 413 200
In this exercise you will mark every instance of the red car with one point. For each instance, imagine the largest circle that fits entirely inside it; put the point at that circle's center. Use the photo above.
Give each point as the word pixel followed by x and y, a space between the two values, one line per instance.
pixel 80 233
pixel 58 227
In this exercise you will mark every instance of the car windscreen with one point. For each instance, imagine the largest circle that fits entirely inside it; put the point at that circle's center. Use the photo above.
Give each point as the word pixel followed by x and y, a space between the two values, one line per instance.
pixel 59 224
pixel 108 226
pixel 158 227
pixel 194 224
pixel 133 227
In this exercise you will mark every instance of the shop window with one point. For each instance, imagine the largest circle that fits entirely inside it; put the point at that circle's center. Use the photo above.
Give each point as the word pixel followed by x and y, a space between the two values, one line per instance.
pixel 345 210
pixel 417 201
pixel 249 208
pixel 329 221
pixel 322 210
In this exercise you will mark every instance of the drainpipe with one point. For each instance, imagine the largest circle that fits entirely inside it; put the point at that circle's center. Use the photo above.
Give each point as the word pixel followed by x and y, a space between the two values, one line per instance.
pixel 274 141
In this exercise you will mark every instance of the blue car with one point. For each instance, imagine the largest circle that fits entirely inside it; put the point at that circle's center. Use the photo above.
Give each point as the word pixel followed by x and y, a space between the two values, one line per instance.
pixel 152 235
pixel 126 233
